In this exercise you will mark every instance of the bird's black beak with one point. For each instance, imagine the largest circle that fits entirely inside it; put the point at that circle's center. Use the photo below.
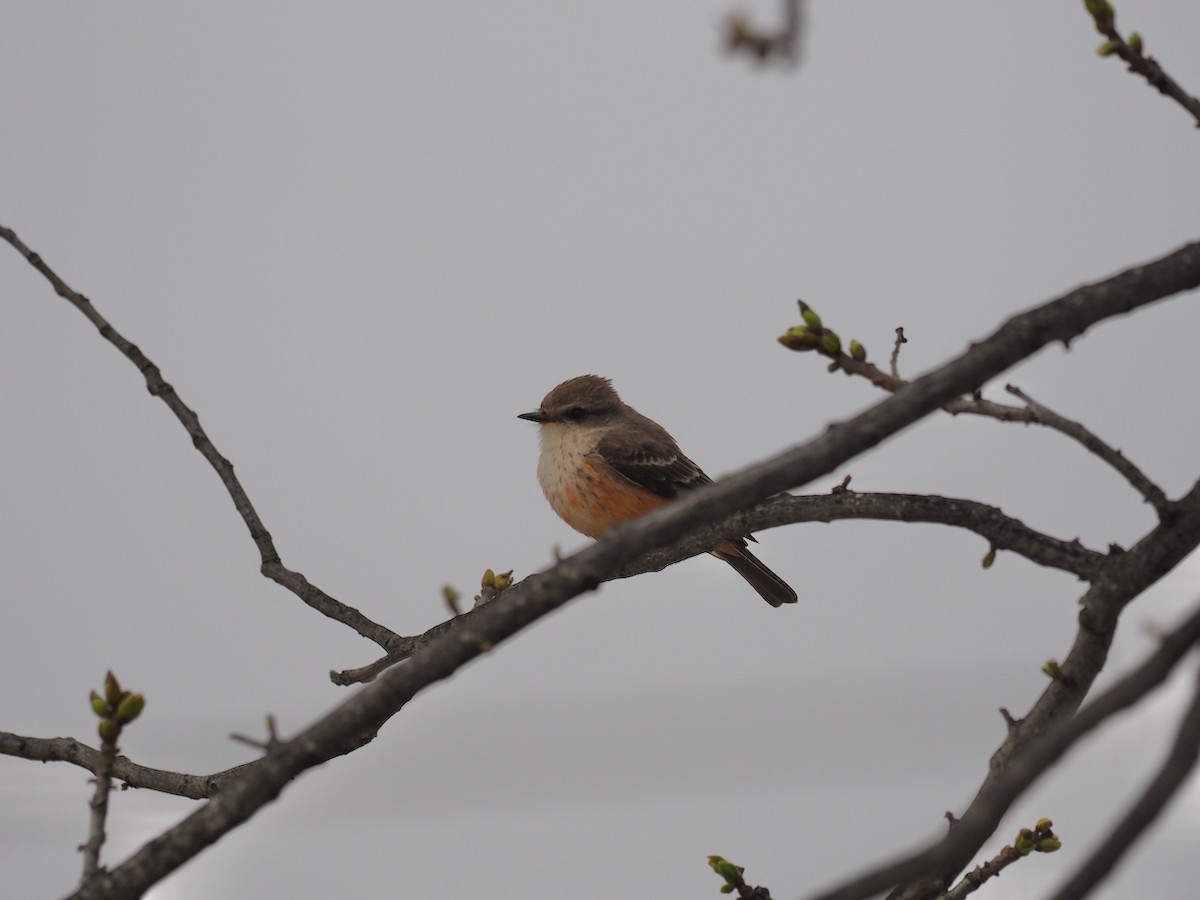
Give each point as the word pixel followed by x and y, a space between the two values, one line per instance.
pixel 536 416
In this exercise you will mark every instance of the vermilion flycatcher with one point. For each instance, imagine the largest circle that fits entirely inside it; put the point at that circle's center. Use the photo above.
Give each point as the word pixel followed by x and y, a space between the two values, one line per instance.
pixel 603 462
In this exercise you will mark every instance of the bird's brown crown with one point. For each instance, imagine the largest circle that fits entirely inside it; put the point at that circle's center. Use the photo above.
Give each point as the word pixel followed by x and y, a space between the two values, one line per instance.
pixel 580 398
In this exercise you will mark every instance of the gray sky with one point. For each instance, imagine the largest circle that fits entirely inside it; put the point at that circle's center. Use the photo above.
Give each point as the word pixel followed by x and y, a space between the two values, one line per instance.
pixel 359 239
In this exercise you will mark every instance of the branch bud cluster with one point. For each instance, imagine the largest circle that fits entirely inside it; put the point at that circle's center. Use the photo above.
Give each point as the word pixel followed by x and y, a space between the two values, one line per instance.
pixel 1039 839
pixel 115 709
pixel 813 335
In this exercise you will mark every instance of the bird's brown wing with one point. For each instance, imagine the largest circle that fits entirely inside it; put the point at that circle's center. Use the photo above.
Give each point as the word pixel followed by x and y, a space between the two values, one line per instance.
pixel 652 461
pixel 650 458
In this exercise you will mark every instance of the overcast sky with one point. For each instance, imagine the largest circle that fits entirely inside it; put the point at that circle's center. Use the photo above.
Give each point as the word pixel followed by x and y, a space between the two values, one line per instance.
pixel 360 238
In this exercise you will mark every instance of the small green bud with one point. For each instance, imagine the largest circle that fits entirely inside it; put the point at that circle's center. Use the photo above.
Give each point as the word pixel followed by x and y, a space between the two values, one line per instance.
pixel 99 705
pixel 1135 42
pixel 830 342
pixel 1049 844
pixel 729 871
pixel 109 729
pixel 800 338
pixel 1108 48
pixel 1024 842
pixel 989 558
pixel 131 707
pixel 857 350
pixel 1052 669
pixel 112 689
pixel 809 315
pixel 489 579
pixel 1043 825
pixel 1101 11
pixel 727 888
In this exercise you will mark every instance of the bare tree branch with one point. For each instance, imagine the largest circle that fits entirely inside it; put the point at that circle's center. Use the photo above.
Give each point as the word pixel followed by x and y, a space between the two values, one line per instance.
pixel 98 809
pixel 1165 784
pixel 194 787
pixel 1002 533
pixel 1059 320
pixel 989 522
pixel 1038 839
pixel 272 567
pixel 1031 414
pixel 969 832
pixel 1044 416
pixel 977 877
pixel 1141 566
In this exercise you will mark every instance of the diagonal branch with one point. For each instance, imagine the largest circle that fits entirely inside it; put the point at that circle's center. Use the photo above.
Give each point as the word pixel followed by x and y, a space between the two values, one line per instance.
pixel 1130 52
pixel 1151 558
pixel 970 831
pixel 1001 531
pixel 367 709
pixel 272 567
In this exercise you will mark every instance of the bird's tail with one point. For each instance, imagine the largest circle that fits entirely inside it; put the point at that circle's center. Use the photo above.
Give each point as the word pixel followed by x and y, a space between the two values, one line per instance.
pixel 770 586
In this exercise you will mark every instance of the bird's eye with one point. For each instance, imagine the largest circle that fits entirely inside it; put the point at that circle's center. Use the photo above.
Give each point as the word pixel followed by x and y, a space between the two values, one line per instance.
pixel 576 413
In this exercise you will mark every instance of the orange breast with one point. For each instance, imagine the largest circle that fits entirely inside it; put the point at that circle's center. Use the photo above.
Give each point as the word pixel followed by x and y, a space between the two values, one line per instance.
pixel 590 497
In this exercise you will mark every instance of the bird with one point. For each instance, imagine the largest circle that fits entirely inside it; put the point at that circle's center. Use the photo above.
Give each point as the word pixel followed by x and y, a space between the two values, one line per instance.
pixel 602 463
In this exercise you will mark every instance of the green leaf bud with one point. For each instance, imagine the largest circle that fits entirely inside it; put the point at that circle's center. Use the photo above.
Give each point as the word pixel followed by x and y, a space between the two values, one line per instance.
pixel 131 707
pixel 112 689
pixel 99 705
pixel 800 338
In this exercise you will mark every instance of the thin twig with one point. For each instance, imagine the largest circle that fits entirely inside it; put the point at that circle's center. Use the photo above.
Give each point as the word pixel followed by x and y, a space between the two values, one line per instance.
pixel 1030 414
pixel 1130 51
pixel 900 339
pixel 98 810
pixel 272 567
pixel 1077 431
pixel 975 879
